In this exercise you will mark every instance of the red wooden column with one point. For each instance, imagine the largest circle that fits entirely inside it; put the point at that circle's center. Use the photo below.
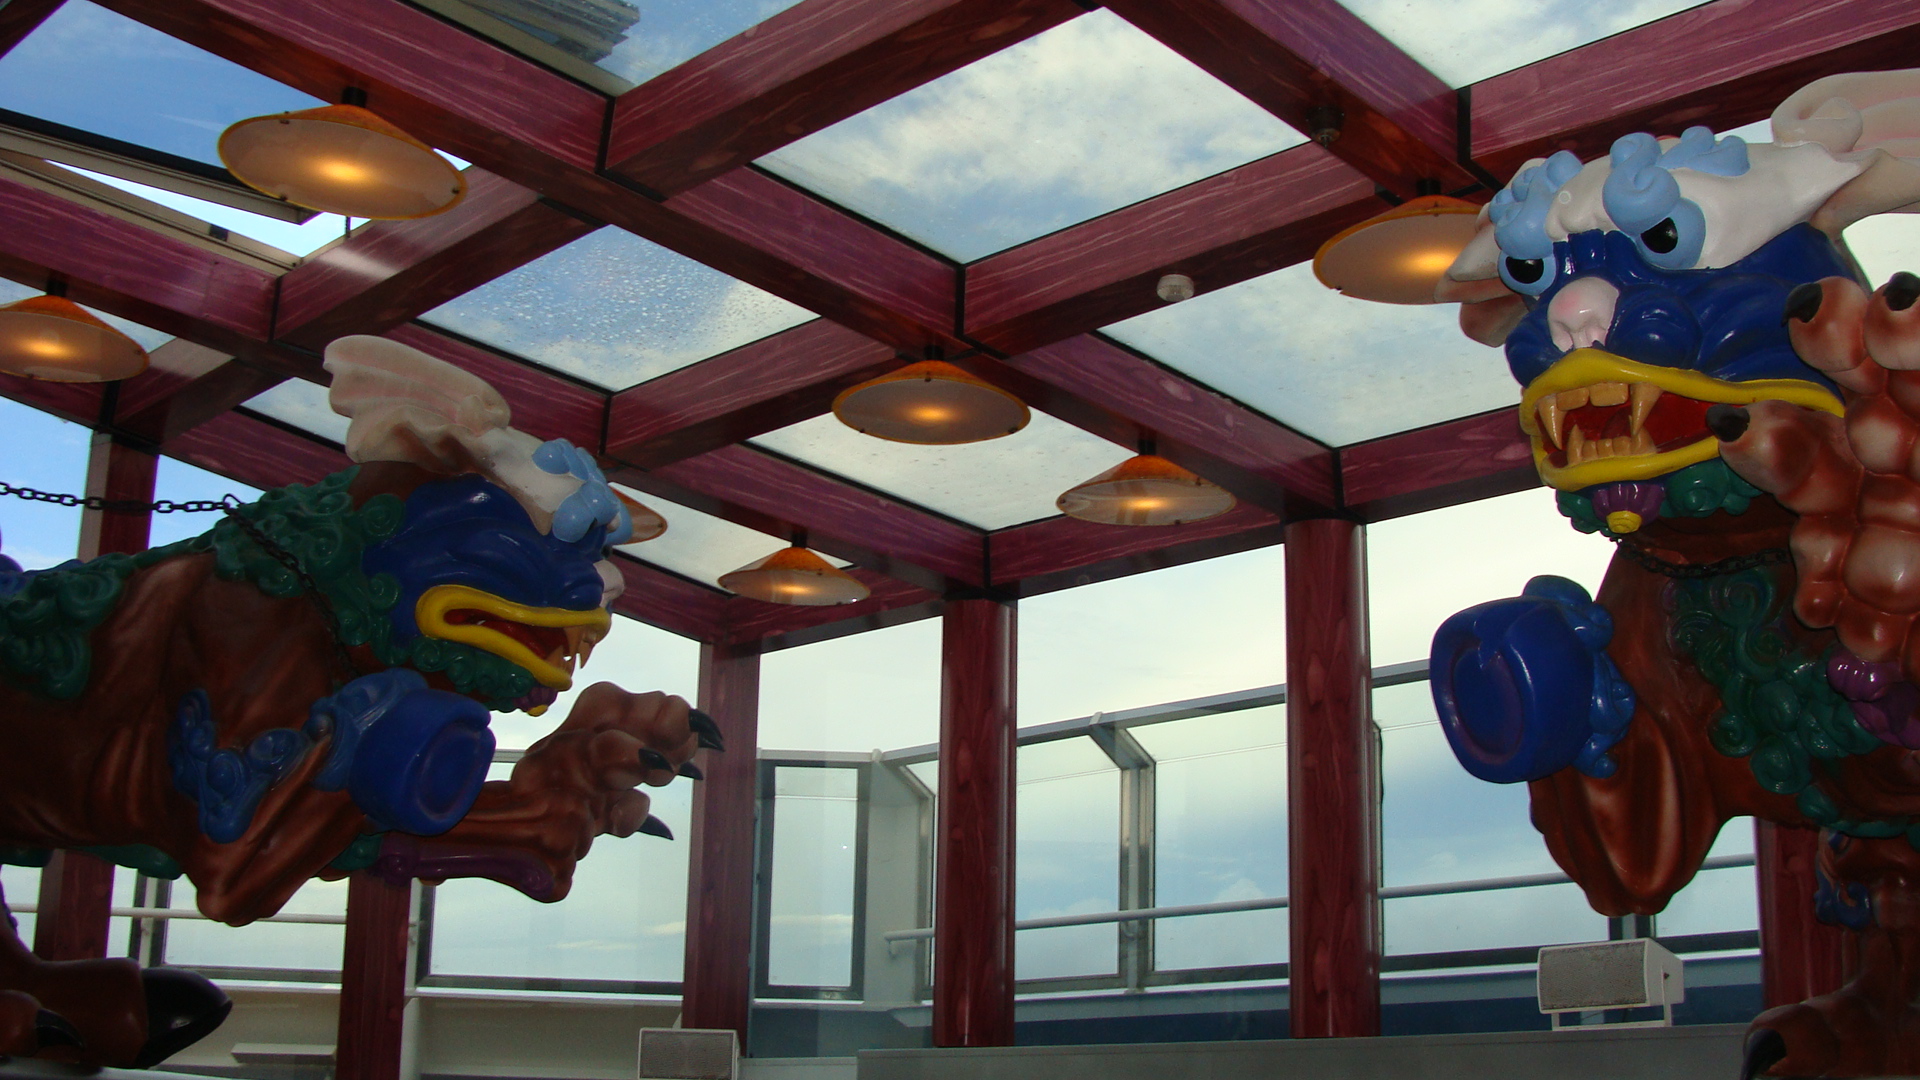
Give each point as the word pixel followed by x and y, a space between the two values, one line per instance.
pixel 973 898
pixel 720 887
pixel 1333 784
pixel 76 890
pixel 1800 956
pixel 374 979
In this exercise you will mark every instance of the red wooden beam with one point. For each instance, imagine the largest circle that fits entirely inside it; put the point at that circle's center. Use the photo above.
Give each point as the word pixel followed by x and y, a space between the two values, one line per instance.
pixel 1460 461
pixel 78 402
pixel 776 381
pixel 542 131
pixel 373 979
pixel 1333 786
pixel 1800 956
pixel 1245 222
pixel 973 905
pixel 1722 64
pixel 718 978
pixel 805 68
pixel 669 601
pixel 136 272
pixel 255 452
pixel 23 17
pixel 1122 396
pixel 1297 58
pixel 387 272
pixel 776 496
pixel 1064 553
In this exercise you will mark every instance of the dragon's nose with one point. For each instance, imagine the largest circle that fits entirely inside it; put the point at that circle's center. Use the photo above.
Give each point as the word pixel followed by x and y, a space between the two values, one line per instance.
pixel 1581 313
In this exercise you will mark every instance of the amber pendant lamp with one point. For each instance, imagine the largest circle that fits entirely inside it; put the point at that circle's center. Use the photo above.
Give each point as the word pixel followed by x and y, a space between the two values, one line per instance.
pixel 932 403
pixel 795 575
pixel 1145 490
pixel 52 338
pixel 341 159
pixel 1398 257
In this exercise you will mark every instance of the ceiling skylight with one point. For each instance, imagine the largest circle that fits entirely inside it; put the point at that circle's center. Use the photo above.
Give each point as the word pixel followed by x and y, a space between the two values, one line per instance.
pixel 1085 118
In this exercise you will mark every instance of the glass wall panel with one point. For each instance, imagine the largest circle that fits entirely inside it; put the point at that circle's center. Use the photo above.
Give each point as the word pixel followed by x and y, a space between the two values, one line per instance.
pixel 300 946
pixel 21 885
pixel 41 451
pixel 1220 833
pixel 624 920
pixel 815 855
pixel 1717 901
pixel 1440 825
pixel 1425 567
pixel 874 691
pixel 1067 858
pixel 1183 632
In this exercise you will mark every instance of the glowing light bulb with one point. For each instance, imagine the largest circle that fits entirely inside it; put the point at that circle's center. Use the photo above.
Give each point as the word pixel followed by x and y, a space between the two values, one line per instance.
pixel 46 348
pixel 343 172
pixel 1430 262
pixel 1145 502
pixel 930 414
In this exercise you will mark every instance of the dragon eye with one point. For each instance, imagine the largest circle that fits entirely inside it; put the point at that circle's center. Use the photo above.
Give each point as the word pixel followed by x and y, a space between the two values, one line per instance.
pixel 1662 238
pixel 1526 271
pixel 1528 277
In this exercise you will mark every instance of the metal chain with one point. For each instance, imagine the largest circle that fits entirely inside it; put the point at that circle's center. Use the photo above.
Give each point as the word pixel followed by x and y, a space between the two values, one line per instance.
pixel 1647 560
pixel 123 506
pixel 231 504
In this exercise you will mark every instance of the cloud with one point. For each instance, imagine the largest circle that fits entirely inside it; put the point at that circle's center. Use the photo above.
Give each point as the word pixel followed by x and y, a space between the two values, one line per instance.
pixel 1464 41
pixel 1084 118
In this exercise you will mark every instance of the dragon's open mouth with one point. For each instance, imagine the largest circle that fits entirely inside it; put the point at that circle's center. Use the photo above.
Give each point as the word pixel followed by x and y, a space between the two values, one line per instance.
pixel 1597 418
pixel 548 642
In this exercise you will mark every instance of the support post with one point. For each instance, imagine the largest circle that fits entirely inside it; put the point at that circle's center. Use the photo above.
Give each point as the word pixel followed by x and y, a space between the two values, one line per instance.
pixel 375 973
pixel 1333 785
pixel 973 907
pixel 718 976
pixel 76 889
pixel 1800 956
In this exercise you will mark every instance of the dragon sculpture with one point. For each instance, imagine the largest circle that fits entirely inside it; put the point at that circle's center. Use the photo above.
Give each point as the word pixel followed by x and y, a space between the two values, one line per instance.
pixel 305 690
pixel 1709 383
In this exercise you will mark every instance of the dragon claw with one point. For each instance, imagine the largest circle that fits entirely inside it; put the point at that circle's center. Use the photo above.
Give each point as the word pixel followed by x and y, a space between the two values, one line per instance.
pixel 709 732
pixel 1901 290
pixel 692 771
pixel 654 759
pixel 1803 302
pixel 52 1029
pixel 653 826
pixel 1765 1047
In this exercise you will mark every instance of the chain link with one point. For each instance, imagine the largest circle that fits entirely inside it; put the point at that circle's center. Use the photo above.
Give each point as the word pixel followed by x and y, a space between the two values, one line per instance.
pixel 121 506
pixel 1647 560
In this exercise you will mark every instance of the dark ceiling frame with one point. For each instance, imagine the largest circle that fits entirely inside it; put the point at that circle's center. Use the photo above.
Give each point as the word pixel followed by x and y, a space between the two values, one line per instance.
pixel 669 162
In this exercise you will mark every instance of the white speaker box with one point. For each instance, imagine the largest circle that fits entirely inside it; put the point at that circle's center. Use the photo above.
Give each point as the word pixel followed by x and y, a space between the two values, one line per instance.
pixel 689 1054
pixel 1636 973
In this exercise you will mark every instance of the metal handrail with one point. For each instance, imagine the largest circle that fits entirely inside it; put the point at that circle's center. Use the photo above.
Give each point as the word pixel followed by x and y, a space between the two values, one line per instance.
pixel 1397 892
pixel 190 913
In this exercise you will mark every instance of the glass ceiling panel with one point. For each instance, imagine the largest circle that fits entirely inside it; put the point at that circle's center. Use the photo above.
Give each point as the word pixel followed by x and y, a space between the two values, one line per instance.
pixel 303 405
pixel 701 546
pixel 149 338
pixel 1085 118
pixel 1339 369
pixel 989 485
pixel 612 44
pixel 1464 43
pixel 294 239
pixel 616 310
pixel 89 68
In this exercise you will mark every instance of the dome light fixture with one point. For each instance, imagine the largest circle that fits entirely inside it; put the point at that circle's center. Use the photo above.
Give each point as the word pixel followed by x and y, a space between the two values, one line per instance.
pixel 1145 490
pixel 795 575
pixel 932 403
pixel 1398 257
pixel 341 159
pixel 647 523
pixel 54 339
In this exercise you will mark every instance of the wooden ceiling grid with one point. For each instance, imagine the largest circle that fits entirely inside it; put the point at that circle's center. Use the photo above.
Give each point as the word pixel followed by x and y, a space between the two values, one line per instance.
pixel 671 161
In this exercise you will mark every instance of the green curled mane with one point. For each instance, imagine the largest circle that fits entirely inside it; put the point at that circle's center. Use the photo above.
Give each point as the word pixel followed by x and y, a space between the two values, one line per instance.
pixel 46 626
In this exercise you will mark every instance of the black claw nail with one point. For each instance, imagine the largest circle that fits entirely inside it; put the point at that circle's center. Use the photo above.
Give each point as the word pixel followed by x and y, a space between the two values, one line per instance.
pixel 692 771
pixel 654 759
pixel 1803 302
pixel 653 826
pixel 709 732
pixel 1765 1047
pixel 1727 422
pixel 52 1029
pixel 1901 291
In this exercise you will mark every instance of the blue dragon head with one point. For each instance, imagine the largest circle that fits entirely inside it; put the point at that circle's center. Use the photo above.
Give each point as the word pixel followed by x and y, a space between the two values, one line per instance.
pixel 1634 292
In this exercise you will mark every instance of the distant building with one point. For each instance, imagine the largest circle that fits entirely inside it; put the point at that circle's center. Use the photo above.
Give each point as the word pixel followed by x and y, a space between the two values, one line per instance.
pixel 588 29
